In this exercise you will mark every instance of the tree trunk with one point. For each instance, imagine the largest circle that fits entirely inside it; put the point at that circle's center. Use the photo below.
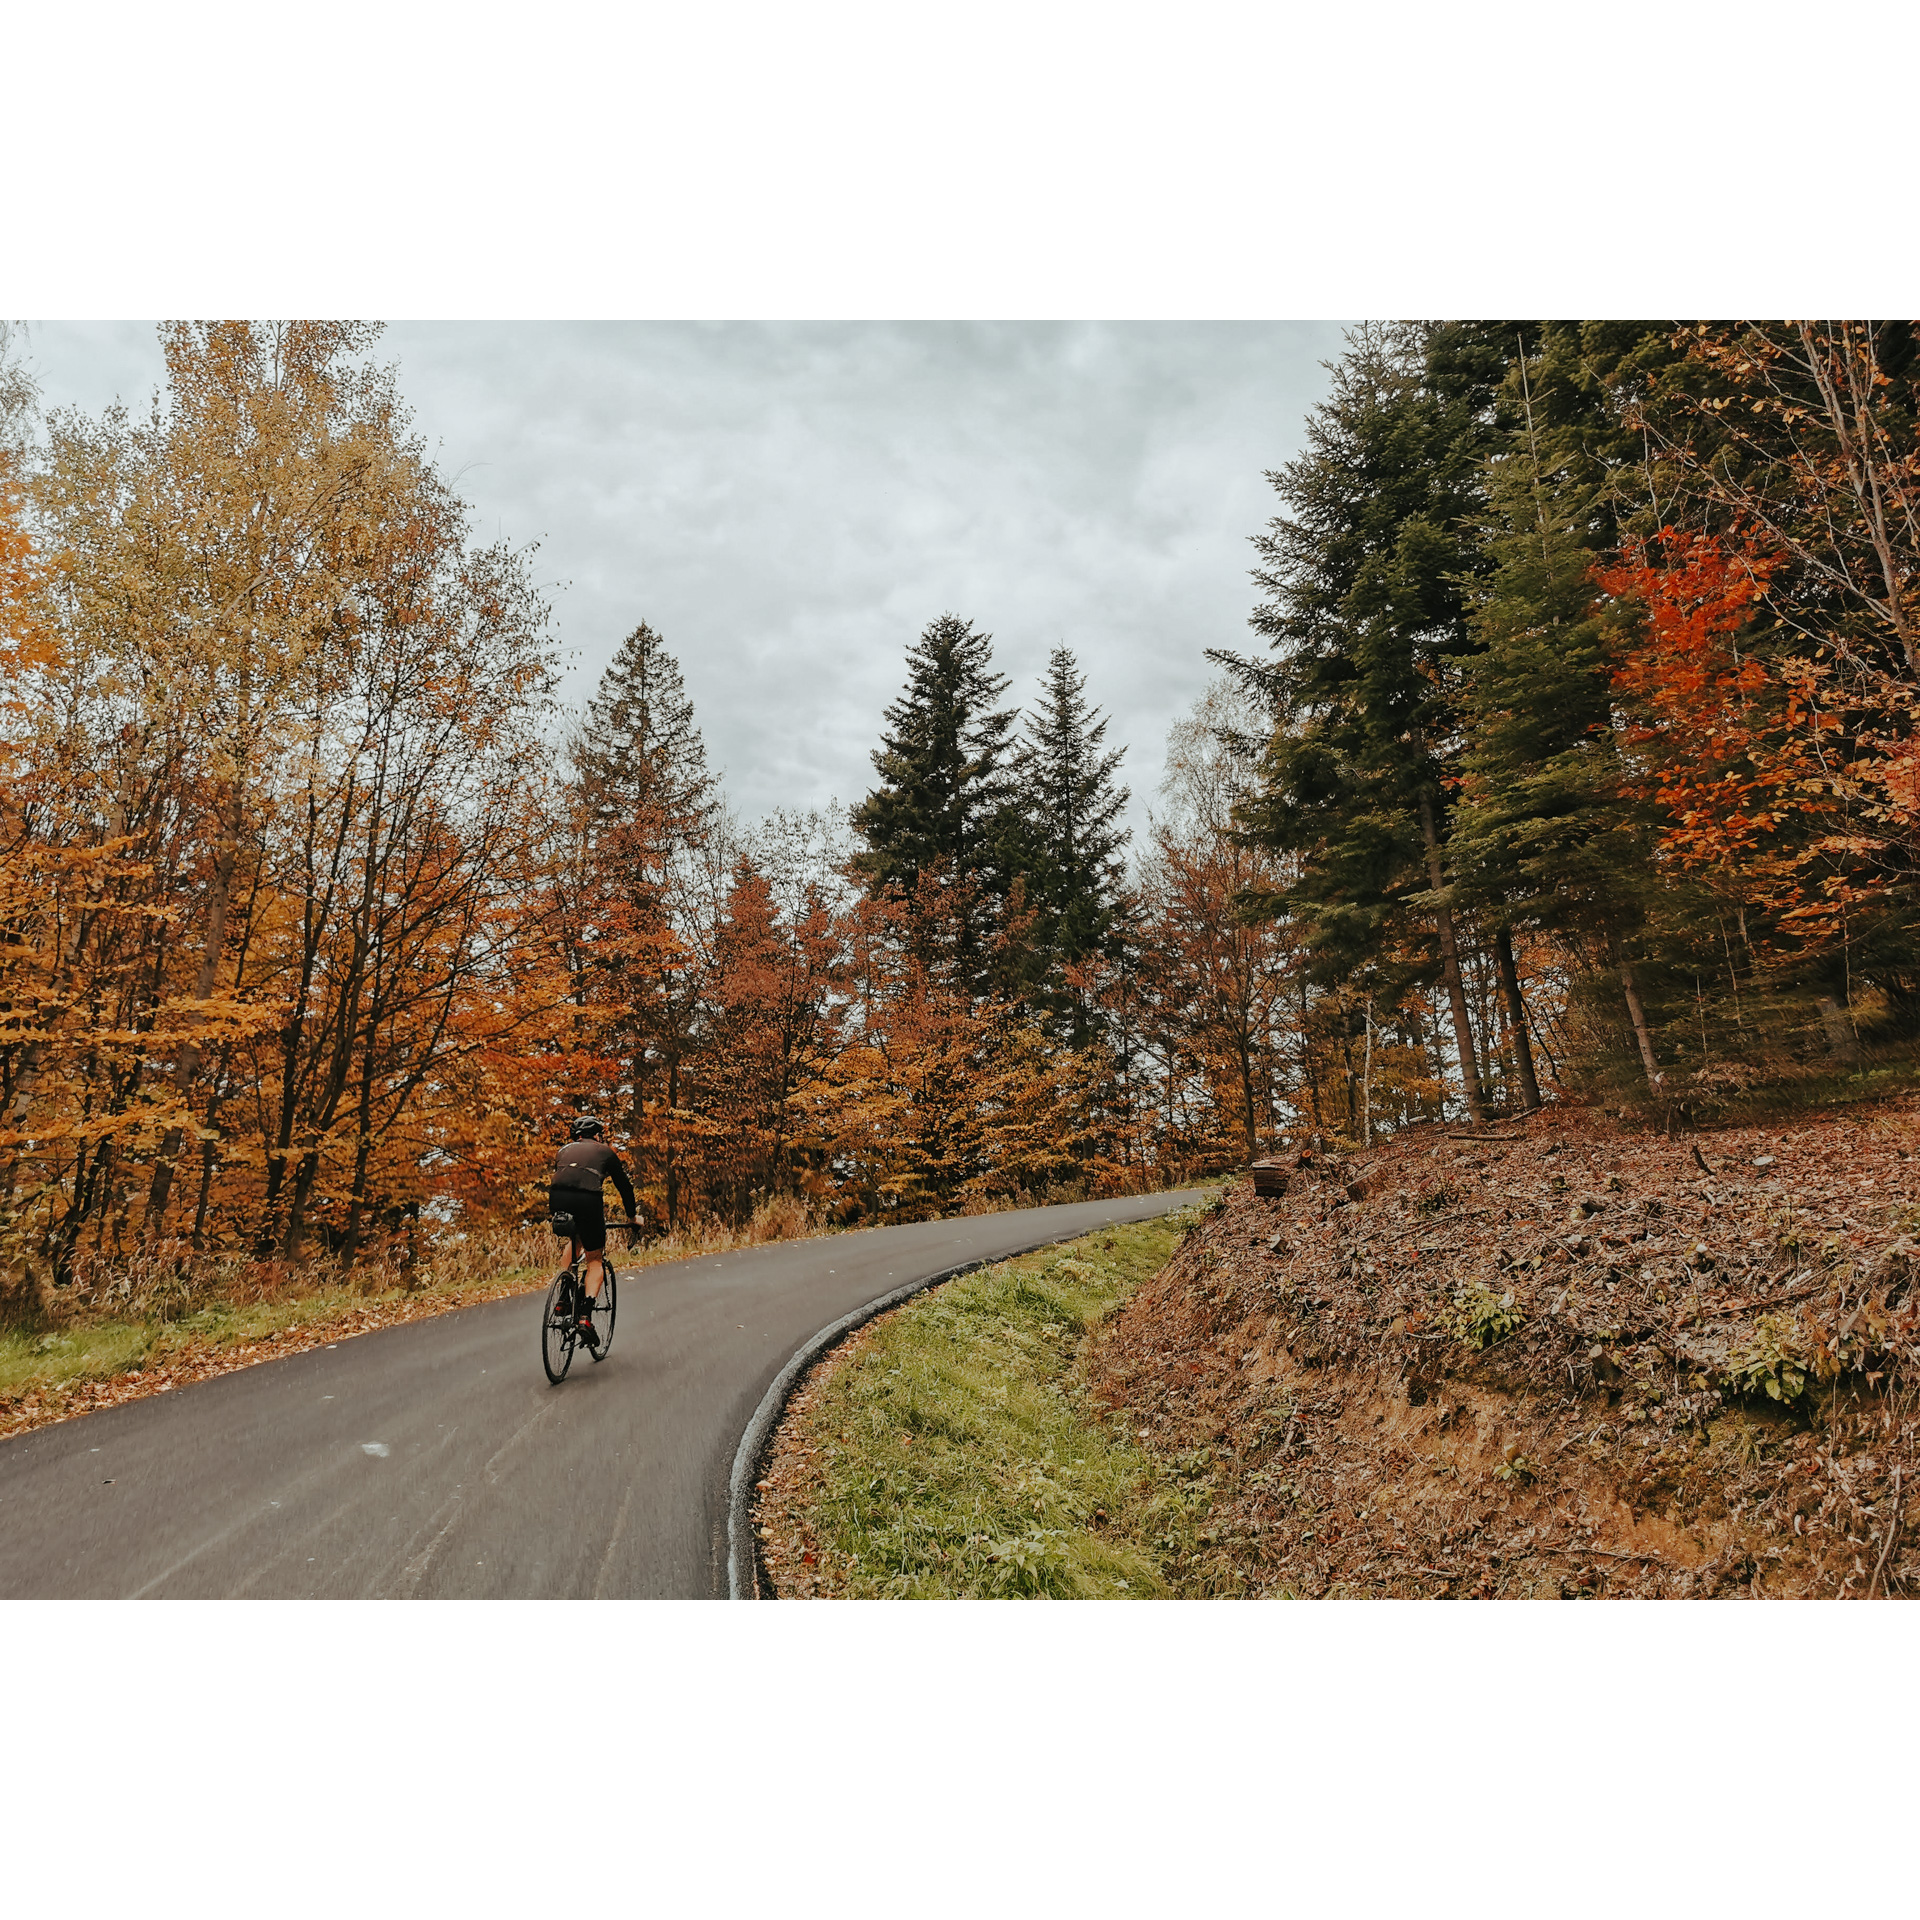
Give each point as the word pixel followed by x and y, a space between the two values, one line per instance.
pixel 1638 1015
pixel 1306 1062
pixel 356 1210
pixel 673 1165
pixel 1366 1083
pixel 104 1170
pixel 1516 1017
pixel 1450 968
pixel 209 1154
pixel 1842 1042
pixel 1247 1103
pixel 187 1061
pixel 296 1230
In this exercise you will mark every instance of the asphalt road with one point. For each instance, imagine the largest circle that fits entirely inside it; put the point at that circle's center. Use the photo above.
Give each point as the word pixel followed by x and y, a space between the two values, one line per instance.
pixel 433 1460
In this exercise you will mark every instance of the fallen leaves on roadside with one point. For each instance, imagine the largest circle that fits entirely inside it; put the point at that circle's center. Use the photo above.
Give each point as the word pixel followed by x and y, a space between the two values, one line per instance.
pixel 203 1359
pixel 1562 1360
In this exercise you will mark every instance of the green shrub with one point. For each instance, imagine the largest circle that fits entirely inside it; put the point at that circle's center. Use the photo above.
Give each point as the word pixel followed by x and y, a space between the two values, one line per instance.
pixel 1776 1360
pixel 1481 1316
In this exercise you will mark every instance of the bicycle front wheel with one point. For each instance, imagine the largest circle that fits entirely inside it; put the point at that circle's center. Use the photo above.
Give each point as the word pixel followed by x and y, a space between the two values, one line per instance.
pixel 604 1304
pixel 556 1329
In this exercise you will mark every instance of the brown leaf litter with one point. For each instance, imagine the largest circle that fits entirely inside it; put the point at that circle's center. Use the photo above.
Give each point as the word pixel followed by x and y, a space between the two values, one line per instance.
pixel 795 1560
pixel 1550 1358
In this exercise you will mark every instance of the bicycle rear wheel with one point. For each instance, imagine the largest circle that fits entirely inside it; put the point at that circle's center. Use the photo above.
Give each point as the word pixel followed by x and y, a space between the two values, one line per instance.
pixel 556 1327
pixel 604 1303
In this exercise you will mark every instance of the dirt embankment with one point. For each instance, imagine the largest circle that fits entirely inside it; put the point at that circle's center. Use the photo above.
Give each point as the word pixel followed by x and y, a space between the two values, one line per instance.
pixel 1552 1358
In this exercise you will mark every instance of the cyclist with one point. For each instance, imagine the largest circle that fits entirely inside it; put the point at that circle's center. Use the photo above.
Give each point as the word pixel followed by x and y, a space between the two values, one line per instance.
pixel 579 1208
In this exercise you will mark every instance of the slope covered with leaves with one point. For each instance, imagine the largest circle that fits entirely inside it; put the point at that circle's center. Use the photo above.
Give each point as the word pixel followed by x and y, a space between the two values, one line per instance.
pixel 1553 1358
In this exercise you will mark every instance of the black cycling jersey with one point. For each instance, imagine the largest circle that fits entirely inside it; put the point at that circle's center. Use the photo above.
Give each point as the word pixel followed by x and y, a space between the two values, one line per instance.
pixel 581 1165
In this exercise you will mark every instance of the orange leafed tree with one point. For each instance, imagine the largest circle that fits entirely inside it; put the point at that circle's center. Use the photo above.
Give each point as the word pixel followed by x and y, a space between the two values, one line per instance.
pixel 270 769
pixel 1793 796
pixel 1711 716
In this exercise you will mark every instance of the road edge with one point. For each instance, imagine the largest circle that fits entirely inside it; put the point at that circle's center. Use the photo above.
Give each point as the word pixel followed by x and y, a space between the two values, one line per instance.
pixel 743 1552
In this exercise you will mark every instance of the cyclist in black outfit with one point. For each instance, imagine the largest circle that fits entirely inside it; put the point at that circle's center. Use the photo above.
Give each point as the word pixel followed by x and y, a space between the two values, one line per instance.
pixel 574 1190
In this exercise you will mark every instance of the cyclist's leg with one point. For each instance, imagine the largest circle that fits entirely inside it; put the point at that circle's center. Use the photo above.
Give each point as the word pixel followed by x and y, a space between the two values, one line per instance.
pixel 594 1240
pixel 560 1203
pixel 589 1298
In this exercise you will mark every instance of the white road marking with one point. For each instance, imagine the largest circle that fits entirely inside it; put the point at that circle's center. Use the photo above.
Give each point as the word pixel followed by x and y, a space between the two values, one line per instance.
pixel 606 1559
pixel 416 1568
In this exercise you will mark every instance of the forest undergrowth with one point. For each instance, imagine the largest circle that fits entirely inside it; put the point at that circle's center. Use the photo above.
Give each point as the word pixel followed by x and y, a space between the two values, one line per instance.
pixel 1555 1358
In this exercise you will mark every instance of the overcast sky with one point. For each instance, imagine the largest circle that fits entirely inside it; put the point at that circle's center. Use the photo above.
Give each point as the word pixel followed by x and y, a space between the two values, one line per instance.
pixel 789 505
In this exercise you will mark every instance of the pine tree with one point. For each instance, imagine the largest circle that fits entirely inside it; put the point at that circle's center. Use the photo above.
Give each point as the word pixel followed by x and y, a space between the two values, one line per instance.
pixel 640 756
pixel 944 799
pixel 1366 578
pixel 1070 806
pixel 649 807
pixel 1544 837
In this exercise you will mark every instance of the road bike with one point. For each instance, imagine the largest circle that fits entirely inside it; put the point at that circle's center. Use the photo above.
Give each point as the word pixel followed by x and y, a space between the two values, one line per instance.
pixel 560 1317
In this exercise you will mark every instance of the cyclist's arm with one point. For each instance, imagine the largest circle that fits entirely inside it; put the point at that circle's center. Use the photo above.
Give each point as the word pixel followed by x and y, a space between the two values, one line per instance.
pixel 624 1187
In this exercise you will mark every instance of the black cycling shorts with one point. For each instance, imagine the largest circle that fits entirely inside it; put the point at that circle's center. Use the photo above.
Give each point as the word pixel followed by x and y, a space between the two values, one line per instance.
pixel 588 1213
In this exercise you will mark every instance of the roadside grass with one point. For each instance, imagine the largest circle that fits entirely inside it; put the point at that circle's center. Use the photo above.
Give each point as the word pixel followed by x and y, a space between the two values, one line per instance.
pixel 954 1453
pixel 95 1347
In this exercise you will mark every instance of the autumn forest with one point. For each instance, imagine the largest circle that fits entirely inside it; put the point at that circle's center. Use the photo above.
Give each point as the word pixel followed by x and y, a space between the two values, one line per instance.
pixel 1574 755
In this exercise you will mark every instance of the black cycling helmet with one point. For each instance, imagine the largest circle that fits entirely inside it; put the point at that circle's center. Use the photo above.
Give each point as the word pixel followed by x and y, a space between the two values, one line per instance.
pixel 585 1127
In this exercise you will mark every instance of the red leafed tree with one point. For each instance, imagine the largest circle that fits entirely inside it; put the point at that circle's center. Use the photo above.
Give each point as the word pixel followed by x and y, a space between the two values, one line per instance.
pixel 1710 716
pixel 773 1024
pixel 1795 796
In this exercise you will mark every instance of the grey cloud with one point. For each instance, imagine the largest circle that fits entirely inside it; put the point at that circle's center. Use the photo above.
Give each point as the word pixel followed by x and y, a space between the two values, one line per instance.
pixel 788 505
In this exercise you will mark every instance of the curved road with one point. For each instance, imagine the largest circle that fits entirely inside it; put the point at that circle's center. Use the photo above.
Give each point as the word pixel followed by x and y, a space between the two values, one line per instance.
pixel 433 1460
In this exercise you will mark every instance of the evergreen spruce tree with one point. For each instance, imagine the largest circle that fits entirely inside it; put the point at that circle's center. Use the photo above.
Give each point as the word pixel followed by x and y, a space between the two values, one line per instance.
pixel 640 758
pixel 648 807
pixel 944 797
pixel 1543 837
pixel 1367 576
pixel 1070 807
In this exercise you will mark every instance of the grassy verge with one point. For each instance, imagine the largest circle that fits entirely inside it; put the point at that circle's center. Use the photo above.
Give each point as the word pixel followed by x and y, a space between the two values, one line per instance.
pixel 951 1450
pixel 97 1351
pixel 102 1360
